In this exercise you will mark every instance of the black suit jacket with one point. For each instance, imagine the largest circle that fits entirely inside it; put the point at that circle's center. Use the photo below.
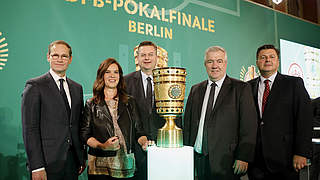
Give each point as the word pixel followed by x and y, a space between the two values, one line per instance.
pixel 287 122
pixel 231 129
pixel 47 130
pixel 151 122
pixel 316 112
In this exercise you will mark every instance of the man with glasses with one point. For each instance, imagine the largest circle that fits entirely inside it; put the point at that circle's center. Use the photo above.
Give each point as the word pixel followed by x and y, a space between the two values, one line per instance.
pixel 220 122
pixel 285 120
pixel 51 110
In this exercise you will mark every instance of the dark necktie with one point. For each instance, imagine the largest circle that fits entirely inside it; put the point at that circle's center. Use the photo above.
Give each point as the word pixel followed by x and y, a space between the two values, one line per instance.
pixel 206 119
pixel 265 94
pixel 64 97
pixel 149 95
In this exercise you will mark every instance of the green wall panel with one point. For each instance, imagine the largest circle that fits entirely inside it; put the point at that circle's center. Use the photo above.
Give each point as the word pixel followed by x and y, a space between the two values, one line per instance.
pixel 98 33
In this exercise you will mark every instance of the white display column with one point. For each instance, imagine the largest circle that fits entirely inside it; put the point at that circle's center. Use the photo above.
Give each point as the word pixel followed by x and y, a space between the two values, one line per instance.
pixel 170 163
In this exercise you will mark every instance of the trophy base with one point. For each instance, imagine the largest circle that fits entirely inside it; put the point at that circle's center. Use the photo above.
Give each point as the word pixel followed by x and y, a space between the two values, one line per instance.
pixel 170 136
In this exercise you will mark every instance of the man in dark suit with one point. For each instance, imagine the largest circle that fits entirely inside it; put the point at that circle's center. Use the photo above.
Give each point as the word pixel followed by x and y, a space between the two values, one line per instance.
pixel 315 161
pixel 284 124
pixel 51 109
pixel 140 85
pixel 316 114
pixel 220 122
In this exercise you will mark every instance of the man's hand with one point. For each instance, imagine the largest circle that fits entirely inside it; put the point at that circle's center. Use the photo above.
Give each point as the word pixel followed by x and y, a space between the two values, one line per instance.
pixel 240 167
pixel 144 142
pixel 39 175
pixel 148 143
pixel 82 168
pixel 299 162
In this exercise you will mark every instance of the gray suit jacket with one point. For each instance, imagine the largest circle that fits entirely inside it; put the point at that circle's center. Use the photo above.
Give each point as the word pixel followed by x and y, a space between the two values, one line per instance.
pixel 231 129
pixel 47 131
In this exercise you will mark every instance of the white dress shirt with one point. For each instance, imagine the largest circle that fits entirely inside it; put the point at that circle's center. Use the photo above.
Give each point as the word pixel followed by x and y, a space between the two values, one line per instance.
pixel 145 82
pixel 56 78
pixel 261 87
pixel 198 143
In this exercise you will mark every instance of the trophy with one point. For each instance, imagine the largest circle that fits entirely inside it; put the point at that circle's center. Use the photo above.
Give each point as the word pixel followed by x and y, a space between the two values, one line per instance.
pixel 169 90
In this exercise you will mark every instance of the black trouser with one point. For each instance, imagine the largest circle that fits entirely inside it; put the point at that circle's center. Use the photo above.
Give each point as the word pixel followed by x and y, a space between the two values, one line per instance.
pixel 202 166
pixel 315 163
pixel 70 170
pixel 259 171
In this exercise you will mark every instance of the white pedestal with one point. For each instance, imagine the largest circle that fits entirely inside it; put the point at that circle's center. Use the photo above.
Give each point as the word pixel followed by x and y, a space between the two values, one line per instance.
pixel 170 163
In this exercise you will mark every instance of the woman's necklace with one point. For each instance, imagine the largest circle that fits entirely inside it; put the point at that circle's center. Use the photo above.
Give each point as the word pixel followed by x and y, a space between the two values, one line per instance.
pixel 113 103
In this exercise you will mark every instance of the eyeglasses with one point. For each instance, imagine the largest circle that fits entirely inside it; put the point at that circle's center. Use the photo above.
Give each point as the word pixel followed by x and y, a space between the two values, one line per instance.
pixel 57 56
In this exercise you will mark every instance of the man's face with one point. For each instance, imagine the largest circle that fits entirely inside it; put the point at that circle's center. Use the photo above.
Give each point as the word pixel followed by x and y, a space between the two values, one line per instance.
pixel 216 65
pixel 267 62
pixel 59 58
pixel 147 58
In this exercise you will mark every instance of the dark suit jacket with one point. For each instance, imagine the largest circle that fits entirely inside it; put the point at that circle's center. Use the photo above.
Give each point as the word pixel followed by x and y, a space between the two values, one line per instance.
pixel 287 121
pixel 316 112
pixel 151 122
pixel 97 122
pixel 231 129
pixel 47 131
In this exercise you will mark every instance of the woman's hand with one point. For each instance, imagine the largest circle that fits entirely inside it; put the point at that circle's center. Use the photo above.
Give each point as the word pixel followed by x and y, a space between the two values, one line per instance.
pixel 112 144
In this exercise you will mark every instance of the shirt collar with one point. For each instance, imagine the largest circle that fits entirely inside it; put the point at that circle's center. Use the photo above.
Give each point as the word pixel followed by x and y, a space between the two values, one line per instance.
pixel 271 78
pixel 144 76
pixel 55 76
pixel 219 82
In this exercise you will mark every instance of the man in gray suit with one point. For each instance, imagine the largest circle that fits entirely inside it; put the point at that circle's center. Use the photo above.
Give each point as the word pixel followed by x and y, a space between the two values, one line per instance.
pixel 51 108
pixel 220 121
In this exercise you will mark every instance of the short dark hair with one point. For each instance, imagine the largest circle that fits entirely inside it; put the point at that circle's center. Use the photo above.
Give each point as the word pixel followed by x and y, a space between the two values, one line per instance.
pixel 59 42
pixel 267 46
pixel 147 43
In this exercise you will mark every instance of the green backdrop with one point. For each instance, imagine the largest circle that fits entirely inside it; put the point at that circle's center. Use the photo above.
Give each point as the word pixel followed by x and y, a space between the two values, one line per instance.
pixel 96 33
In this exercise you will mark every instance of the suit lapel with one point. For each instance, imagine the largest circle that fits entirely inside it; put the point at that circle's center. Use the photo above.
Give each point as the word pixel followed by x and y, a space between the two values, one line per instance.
pixel 72 94
pixel 226 85
pixel 202 92
pixel 54 89
pixel 255 86
pixel 276 88
pixel 140 88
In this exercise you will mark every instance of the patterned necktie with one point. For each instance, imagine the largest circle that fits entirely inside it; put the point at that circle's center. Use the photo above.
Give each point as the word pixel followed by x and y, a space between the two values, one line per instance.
pixel 64 97
pixel 149 95
pixel 206 119
pixel 265 94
